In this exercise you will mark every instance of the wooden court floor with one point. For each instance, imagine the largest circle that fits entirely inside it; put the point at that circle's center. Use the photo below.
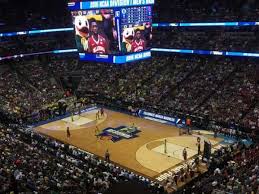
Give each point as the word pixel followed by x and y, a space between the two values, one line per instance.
pixel 125 151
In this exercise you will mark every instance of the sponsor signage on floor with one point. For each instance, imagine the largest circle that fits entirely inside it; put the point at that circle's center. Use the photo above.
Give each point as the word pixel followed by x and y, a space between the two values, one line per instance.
pixel 119 133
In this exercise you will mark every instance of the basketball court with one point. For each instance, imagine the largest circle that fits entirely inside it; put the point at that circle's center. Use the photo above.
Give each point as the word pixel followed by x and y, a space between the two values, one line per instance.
pixel 134 143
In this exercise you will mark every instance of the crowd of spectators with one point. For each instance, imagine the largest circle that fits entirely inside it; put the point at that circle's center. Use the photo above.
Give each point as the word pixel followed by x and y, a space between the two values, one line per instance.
pixel 224 106
pixel 29 14
pixel 252 118
pixel 17 95
pixel 220 89
pixel 27 87
pixel 231 170
pixel 216 88
pixel 193 92
pixel 37 43
pixel 209 38
pixel 49 14
pixel 205 10
pixel 30 163
pixel 39 77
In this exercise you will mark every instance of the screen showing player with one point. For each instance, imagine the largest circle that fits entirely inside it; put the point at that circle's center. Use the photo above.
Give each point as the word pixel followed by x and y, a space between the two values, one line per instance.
pixel 136 38
pixel 95 31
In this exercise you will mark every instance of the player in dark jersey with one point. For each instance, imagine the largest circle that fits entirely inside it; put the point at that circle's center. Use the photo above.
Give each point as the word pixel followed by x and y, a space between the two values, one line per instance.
pixel 68 133
pixel 102 112
pixel 97 115
pixel 138 43
pixel 97 43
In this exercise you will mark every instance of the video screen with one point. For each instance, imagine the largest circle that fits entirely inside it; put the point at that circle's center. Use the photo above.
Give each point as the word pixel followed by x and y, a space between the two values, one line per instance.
pixel 136 38
pixel 95 31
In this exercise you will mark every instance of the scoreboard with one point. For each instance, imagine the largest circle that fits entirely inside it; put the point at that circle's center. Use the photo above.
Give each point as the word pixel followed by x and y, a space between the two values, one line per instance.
pixel 114 31
pixel 135 15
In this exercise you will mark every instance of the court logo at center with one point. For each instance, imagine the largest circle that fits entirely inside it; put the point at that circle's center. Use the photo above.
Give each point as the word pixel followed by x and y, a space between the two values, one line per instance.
pixel 119 133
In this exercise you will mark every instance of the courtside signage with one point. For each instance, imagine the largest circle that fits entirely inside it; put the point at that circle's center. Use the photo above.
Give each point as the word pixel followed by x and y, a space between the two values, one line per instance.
pixel 161 118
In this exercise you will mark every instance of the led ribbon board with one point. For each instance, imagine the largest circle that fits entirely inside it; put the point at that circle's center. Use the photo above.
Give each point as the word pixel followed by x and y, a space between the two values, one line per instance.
pixel 147 54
